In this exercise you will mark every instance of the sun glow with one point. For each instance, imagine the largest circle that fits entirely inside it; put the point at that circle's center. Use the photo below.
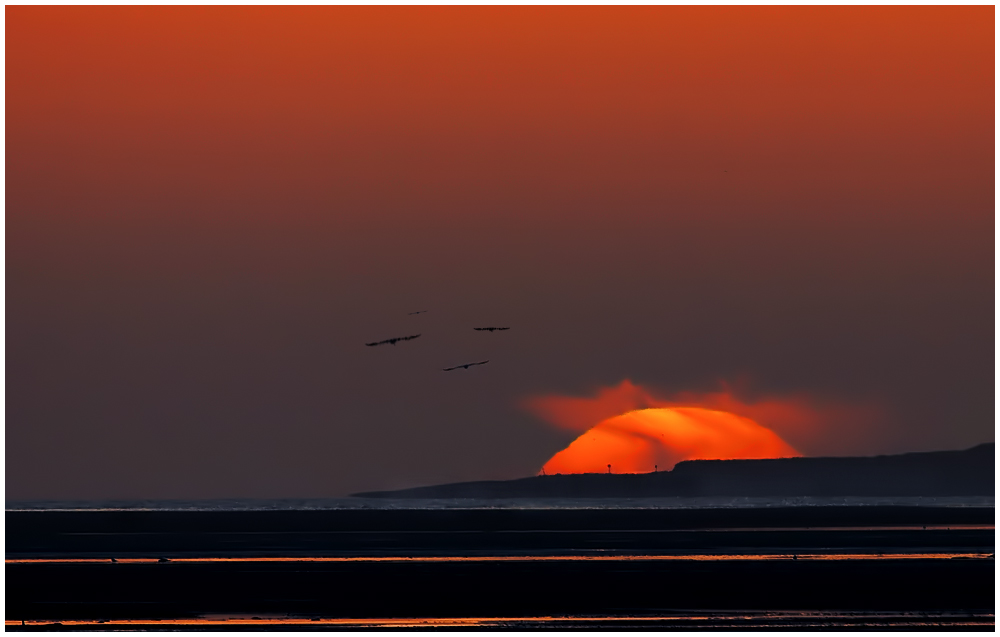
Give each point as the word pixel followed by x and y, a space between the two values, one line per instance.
pixel 636 428
pixel 642 440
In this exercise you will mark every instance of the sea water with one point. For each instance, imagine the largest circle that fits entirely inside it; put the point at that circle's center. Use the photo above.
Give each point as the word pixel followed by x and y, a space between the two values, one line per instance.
pixel 312 504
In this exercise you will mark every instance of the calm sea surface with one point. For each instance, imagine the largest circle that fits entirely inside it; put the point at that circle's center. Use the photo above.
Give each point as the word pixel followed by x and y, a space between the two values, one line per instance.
pixel 468 503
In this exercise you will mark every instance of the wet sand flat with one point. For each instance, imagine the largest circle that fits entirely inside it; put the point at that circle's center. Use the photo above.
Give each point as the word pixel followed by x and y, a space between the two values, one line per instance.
pixel 503 569
pixel 454 588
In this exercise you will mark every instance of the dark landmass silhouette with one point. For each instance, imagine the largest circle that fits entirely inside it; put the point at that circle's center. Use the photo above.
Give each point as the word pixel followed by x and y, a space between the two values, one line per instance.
pixel 935 473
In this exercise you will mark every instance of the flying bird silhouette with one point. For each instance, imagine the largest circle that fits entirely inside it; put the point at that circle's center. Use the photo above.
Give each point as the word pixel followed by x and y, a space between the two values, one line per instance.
pixel 417 312
pixel 393 341
pixel 466 366
pixel 490 329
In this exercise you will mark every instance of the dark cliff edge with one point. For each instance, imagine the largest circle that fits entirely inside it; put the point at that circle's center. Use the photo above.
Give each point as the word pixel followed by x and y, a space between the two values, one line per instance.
pixel 930 474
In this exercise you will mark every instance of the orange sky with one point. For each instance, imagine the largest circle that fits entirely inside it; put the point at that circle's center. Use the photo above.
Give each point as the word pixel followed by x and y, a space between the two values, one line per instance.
pixel 222 100
pixel 208 207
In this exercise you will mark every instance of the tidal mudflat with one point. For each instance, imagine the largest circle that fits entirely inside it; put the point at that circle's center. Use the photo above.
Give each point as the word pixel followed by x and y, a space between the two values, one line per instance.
pixel 769 567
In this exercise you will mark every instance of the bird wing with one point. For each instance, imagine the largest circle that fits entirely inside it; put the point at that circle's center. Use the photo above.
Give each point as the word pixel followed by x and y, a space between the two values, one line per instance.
pixel 465 366
pixel 393 341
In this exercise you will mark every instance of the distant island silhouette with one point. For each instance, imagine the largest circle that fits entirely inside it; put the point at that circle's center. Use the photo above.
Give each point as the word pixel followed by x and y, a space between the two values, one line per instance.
pixel 936 473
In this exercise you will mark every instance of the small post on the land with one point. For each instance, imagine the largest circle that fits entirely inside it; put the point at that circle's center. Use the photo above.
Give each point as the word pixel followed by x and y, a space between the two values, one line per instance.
pixel 609 468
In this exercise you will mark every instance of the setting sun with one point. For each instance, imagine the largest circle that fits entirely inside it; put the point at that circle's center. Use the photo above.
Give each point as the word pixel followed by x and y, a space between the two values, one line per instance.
pixel 641 440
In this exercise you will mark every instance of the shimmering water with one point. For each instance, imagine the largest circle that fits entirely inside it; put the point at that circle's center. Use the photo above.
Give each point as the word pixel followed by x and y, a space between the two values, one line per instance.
pixel 471 503
pixel 724 557
pixel 697 621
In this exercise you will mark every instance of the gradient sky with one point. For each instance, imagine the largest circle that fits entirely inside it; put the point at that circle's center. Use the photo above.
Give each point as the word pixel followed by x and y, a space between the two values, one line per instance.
pixel 210 210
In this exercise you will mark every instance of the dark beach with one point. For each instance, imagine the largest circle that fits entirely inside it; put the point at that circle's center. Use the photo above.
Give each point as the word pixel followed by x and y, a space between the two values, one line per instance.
pixel 768 567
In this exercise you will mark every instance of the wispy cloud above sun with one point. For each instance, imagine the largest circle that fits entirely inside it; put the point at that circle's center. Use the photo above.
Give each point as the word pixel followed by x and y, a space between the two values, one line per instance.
pixel 635 430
